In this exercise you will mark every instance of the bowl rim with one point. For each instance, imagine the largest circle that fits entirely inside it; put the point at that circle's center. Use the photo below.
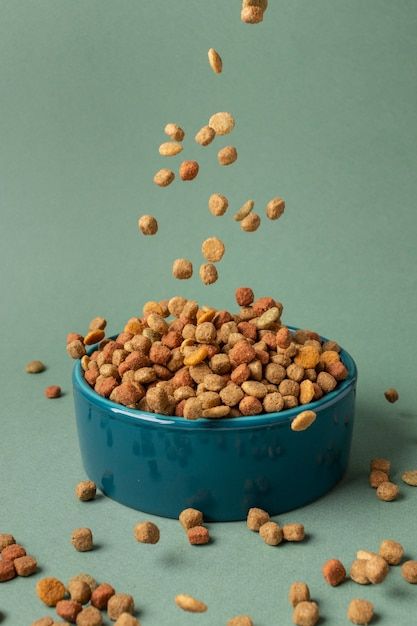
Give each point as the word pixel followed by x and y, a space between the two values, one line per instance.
pixel 136 416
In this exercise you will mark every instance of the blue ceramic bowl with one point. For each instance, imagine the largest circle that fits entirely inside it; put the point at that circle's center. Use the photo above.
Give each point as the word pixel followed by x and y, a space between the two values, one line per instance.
pixel 162 465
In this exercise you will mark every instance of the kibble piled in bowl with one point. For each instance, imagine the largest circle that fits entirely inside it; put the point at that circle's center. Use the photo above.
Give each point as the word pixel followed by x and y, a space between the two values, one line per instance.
pixel 209 363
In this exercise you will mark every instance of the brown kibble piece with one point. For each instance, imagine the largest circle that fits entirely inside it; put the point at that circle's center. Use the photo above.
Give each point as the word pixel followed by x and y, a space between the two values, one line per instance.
pixel 218 204
pixel 53 391
pixel 86 490
pixel 275 208
pixel 7 571
pixel 198 535
pixel 148 225
pixel 205 135
pixel 50 590
pixel 222 123
pixel 146 532
pixel 410 478
pixel 12 552
pixel 188 170
pixel 376 477
pixel 409 572
pixel 333 572
pixel 25 565
pixel 391 395
pixel 82 539
pixel 189 518
pixel 244 211
pixel 97 322
pixel 240 620
pixel 306 391
pixel 293 532
pixel 182 269
pixel 244 296
pixel 303 420
pixel 43 621
pixel 188 603
pixel 93 336
pixel 252 15
pixel 306 614
pixel 89 616
pixel 376 569
pixel 163 177
pixel 271 533
pixel 391 551
pixel 6 540
pixel 256 518
pixel 250 223
pixel 68 610
pixel 227 155
pixel 208 273
pixel 79 591
pixel 170 148
pixel 387 491
pixel 360 611
pixel 174 131
pixel 384 465
pixel 85 578
pixel 76 349
pixel 35 367
pixel 215 61
pixel 358 572
pixel 118 604
pixel 299 592
pixel 101 596
pixel 212 249
pixel 126 619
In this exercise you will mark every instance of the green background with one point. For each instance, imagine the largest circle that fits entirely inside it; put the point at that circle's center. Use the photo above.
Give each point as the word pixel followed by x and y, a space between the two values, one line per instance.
pixel 324 95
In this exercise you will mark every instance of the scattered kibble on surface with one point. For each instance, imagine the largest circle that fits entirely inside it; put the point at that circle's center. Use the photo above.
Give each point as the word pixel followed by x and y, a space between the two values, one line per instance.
pixel 188 603
pixel 126 619
pixel 35 367
pixel 379 463
pixel 86 490
pixel 215 61
pixel 174 131
pixel 50 590
pixel 6 539
pixel 148 225
pixel 391 551
pixel 409 571
pixel 358 572
pixel 68 610
pixel 25 565
pixel 410 478
pixel 376 569
pixel 293 532
pixel 227 155
pixel 299 592
pixel 198 535
pixel 163 177
pixel 376 477
pixel 240 620
pixel 333 572
pixel 90 616
pixel 120 603
pixel 360 611
pixel 7 571
pixel 391 395
pixel 82 539
pixel 306 614
pixel 146 532
pixel 387 491
pixel 79 591
pixel 53 391
pixel 256 518
pixel 182 269
pixel 271 533
pixel 190 517
pixel 101 596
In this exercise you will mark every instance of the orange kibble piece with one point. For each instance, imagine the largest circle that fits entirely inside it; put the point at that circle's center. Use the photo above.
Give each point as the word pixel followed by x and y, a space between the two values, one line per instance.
pixel 334 572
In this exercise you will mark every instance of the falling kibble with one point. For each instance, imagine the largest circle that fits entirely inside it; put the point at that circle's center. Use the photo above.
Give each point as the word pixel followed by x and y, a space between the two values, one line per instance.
pixel 213 249
pixel 188 170
pixel 148 225
pixel 218 204
pixel 215 61
pixel 227 155
pixel 223 123
pixel 174 131
pixel 182 269
pixel 208 273
pixel 163 177
pixel 170 148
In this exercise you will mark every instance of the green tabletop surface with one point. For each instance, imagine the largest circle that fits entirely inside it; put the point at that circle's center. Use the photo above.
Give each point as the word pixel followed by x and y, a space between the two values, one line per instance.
pixel 325 99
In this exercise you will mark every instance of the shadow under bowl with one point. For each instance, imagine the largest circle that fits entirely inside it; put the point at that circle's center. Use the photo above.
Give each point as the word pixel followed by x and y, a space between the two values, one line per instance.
pixel 161 464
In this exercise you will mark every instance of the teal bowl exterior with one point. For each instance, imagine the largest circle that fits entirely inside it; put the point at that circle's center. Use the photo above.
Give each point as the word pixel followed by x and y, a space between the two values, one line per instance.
pixel 162 465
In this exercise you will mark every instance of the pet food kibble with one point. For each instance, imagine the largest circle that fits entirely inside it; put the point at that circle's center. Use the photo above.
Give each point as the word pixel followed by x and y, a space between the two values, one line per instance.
pixel 391 395
pixel 250 223
pixel 244 210
pixel 252 15
pixel 256 518
pixel 227 155
pixel 174 131
pixel 218 204
pixel 365 554
pixel 299 592
pixel 410 478
pixel 222 123
pixel 12 552
pixel 306 391
pixel 189 518
pixel 215 61
pixel 148 225
pixel 118 604
pixel 101 596
pixel 43 621
pixel 7 571
pixel 333 572
pixel 170 148
pixel 146 532
pixel 85 578
pixel 93 336
pixel 275 208
pixel 387 491
pixel 303 420
pixel 50 590
pixel 358 572
pixel 384 465
pixel 273 402
pixel 409 571
pixel 53 391
pixel 376 477
pixel 89 616
pixel 68 610
pixel 293 532
pixel 76 349
pixel 182 269
pixel 188 170
pixel 79 591
pixel 376 569
pixel 82 539
pixel 188 603
pixel 306 614
pixel 391 551
pixel 240 620
pixel 86 490
pixel 212 249
pixel 6 540
pixel 25 565
pixel 35 367
pixel 208 273
pixel 198 535
pixel 360 611
pixel 205 135
pixel 125 619
pixel 163 177
pixel 271 533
